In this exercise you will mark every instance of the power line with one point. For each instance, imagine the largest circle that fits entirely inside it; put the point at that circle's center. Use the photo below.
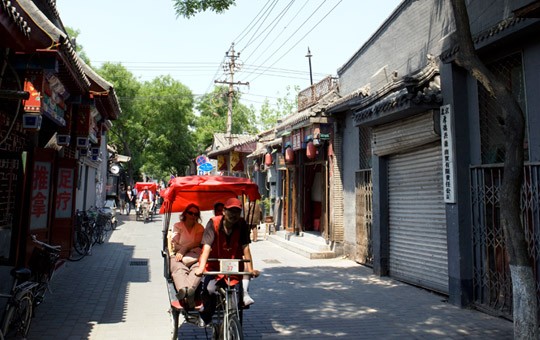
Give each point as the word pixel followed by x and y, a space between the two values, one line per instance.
pixel 296 31
pixel 241 36
pixel 302 37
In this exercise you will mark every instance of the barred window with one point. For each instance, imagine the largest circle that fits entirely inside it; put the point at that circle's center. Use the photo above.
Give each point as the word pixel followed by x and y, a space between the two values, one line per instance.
pixel 365 147
pixel 510 71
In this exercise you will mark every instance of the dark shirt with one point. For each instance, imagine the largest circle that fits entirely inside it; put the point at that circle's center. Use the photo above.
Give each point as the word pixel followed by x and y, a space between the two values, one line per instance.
pixel 240 226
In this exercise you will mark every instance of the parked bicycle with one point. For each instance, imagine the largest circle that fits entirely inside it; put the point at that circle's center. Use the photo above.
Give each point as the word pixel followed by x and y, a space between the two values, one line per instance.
pixel 28 289
pixel 81 244
pixel 42 264
pixel 19 308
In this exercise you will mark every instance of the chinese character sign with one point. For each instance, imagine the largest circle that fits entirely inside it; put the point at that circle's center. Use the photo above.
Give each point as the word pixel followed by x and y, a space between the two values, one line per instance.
pixel 64 192
pixel 39 203
pixel 447 142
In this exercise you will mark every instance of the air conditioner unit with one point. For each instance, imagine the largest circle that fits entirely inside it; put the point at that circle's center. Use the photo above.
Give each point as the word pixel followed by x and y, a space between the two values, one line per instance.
pixel 63 140
pixel 82 142
pixel 32 122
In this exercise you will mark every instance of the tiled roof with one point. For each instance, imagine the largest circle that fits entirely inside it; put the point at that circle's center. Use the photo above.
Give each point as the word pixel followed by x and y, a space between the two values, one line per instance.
pixel 59 42
pixel 316 110
pixel 103 90
pixel 363 97
pixel 222 144
pixel 16 17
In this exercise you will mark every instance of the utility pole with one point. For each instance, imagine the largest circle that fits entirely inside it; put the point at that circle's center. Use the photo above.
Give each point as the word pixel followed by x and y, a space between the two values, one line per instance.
pixel 231 67
pixel 309 55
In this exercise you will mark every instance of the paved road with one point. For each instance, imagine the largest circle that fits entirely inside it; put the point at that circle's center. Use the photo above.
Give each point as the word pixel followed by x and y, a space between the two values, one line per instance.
pixel 119 293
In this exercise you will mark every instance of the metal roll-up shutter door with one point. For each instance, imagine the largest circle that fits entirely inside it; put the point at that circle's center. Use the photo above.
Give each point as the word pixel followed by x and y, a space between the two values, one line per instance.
pixel 418 247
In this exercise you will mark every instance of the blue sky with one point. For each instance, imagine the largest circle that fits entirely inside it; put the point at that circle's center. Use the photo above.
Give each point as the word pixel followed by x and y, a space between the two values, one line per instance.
pixel 272 37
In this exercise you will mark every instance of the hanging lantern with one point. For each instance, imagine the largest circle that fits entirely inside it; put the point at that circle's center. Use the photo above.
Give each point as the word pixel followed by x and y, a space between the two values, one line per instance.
pixel 268 159
pixel 311 150
pixel 289 155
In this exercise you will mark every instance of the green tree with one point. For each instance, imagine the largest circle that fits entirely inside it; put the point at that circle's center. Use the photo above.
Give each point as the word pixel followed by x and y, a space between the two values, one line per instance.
pixel 284 106
pixel 168 120
pixel 188 8
pixel 127 134
pixel 213 109
pixel 73 35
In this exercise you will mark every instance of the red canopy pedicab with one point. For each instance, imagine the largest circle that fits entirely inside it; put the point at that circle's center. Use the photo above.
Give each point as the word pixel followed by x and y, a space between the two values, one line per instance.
pixel 145 206
pixel 204 191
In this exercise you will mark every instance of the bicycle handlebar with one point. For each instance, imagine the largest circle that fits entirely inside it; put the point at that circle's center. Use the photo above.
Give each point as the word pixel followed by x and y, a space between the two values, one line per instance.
pixel 55 249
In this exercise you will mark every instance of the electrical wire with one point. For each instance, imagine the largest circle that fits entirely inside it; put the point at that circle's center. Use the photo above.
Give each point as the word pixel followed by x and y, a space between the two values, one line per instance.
pixel 294 33
pixel 300 39
pixel 280 16
pixel 241 36
pixel 279 34
pixel 266 17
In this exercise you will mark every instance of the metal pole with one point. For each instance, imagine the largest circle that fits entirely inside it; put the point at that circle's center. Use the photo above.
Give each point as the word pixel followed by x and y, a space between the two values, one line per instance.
pixel 309 55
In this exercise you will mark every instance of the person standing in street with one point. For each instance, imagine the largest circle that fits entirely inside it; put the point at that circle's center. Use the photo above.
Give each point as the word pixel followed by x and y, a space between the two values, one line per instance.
pixel 130 198
pixel 253 217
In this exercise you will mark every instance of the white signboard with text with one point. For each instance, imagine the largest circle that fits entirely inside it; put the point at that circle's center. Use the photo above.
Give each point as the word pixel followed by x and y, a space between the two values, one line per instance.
pixel 448 154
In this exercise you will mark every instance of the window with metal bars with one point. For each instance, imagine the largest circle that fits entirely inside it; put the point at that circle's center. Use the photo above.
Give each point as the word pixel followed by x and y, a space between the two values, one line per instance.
pixel 510 71
pixel 365 147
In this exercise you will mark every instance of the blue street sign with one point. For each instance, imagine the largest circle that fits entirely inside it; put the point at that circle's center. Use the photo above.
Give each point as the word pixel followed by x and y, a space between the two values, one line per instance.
pixel 206 167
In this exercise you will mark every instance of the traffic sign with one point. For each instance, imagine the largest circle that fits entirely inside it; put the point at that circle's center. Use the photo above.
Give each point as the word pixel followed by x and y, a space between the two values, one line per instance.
pixel 200 160
pixel 206 167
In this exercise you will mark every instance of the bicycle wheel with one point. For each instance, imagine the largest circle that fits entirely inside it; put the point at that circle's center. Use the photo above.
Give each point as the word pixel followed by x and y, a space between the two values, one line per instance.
pixel 102 234
pixel 234 329
pixel 81 246
pixel 18 317
pixel 108 225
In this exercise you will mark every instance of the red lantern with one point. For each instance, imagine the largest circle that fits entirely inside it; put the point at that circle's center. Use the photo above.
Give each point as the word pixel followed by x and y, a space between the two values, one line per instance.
pixel 289 155
pixel 311 150
pixel 268 159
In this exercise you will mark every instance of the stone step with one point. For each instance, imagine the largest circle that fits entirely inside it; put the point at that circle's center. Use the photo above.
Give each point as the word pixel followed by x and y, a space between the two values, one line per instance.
pixel 305 244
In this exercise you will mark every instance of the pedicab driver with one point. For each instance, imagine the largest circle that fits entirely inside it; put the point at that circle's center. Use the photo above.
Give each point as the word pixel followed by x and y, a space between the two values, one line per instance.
pixel 225 237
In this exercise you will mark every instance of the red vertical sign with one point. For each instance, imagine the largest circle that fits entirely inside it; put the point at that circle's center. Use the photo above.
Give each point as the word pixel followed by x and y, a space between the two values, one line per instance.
pixel 39 203
pixel 64 192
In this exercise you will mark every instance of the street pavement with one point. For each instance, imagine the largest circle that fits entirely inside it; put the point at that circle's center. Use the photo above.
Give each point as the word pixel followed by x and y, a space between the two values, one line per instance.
pixel 119 292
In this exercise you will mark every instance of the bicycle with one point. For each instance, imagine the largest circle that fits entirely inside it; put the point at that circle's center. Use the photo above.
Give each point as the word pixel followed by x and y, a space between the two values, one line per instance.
pixel 227 319
pixel 42 264
pixel 19 308
pixel 28 290
pixel 81 241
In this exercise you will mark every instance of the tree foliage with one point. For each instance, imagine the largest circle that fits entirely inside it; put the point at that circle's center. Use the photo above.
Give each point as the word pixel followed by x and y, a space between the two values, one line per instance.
pixel 188 8
pixel 155 127
pixel 213 110
pixel 168 121
pixel 126 129
pixel 73 35
pixel 284 106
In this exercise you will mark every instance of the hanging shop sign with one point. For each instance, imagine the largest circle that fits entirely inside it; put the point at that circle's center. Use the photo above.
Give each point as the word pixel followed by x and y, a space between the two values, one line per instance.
pixel 64 192
pixel 296 140
pixel 47 96
pixel 222 163
pixel 237 163
pixel 447 141
pixel 41 186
